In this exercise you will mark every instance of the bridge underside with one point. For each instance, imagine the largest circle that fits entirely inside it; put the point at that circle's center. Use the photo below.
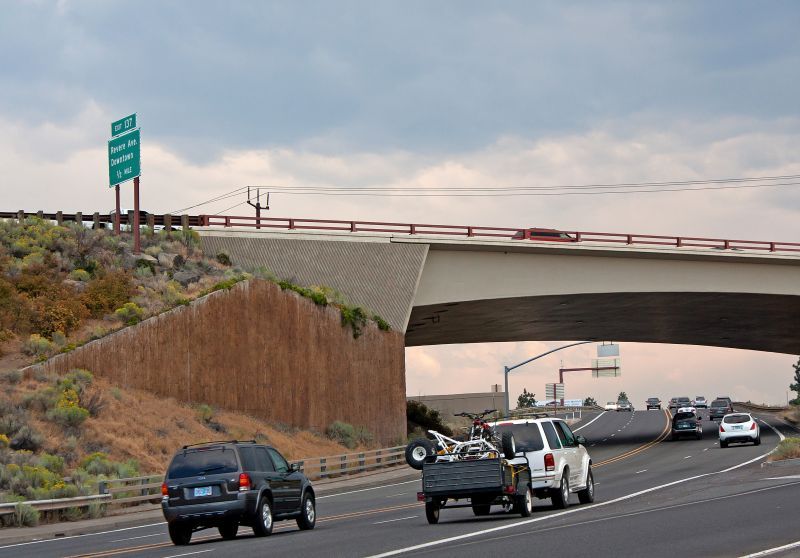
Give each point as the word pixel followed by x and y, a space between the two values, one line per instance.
pixel 735 320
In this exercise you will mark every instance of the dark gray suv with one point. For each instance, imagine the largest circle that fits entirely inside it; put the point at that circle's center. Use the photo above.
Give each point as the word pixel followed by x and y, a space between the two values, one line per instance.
pixel 232 483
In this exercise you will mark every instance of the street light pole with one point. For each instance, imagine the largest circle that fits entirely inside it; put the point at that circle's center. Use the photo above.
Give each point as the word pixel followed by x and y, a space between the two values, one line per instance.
pixel 508 369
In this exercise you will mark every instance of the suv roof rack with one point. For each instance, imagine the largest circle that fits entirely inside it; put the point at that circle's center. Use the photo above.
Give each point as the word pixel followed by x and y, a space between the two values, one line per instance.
pixel 527 415
pixel 220 442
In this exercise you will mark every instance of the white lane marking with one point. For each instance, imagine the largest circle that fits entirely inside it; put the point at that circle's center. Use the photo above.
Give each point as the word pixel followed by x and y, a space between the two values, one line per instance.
pixel 366 489
pixel 590 422
pixel 593 445
pixel 140 537
pixel 688 457
pixel 782 478
pixel 619 429
pixel 84 535
pixel 559 514
pixel 604 439
pixel 774 550
pixel 613 435
pixel 705 449
pixel 398 519
pixel 642 471
pixel 189 553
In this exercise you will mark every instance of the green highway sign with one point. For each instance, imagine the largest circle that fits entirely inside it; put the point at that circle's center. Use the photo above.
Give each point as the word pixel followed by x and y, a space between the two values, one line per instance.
pixel 124 158
pixel 123 125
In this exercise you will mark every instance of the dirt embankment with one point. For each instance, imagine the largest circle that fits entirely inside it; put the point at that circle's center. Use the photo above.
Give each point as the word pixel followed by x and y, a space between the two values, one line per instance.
pixel 261 351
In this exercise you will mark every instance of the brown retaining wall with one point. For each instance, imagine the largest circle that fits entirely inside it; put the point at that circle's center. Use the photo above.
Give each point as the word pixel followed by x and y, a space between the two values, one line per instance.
pixel 262 351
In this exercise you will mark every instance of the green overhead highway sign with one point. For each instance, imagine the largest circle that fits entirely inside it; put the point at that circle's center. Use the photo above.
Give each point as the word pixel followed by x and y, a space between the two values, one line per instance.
pixel 124 158
pixel 123 125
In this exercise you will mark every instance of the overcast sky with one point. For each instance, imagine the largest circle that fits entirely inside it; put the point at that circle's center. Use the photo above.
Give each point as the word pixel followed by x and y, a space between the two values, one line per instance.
pixel 427 94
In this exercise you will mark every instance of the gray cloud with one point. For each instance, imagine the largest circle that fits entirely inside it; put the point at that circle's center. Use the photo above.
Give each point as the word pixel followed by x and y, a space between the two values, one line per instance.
pixel 417 76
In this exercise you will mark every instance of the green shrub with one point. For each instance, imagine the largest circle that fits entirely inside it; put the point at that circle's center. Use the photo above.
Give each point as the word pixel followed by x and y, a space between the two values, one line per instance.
pixel 356 318
pixel 383 325
pixel 363 436
pixel 68 416
pixel 36 345
pixel 205 413
pixel 52 463
pixel 104 294
pixel 421 417
pixel 116 393
pixel 71 514
pixel 41 400
pixel 224 259
pixel 25 515
pixel 342 433
pixel 129 314
pixel 11 420
pixel 80 275
pixel 96 510
pixel 27 439
pixel 4 441
pixel 12 376
pixel 787 449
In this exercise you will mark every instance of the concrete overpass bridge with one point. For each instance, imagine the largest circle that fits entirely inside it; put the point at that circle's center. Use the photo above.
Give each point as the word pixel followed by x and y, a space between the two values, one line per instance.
pixel 441 284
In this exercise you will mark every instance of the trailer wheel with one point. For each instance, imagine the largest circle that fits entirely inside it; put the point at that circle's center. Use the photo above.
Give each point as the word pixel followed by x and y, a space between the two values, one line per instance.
pixel 418 452
pixel 432 512
pixel 509 445
pixel 480 508
pixel 524 503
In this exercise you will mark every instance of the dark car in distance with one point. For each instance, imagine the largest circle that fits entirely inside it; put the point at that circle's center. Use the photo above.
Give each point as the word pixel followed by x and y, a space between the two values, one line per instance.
pixel 686 424
pixel 719 408
pixel 230 483
pixel 653 403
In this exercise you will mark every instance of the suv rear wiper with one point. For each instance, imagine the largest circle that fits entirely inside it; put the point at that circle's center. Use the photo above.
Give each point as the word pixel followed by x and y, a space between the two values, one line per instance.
pixel 218 467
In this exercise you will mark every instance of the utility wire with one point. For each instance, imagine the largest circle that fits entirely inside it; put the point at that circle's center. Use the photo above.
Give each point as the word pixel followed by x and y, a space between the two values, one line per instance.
pixel 484 194
pixel 218 198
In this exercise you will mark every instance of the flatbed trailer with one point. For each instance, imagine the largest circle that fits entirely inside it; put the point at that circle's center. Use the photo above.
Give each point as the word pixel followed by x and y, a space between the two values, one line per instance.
pixel 482 482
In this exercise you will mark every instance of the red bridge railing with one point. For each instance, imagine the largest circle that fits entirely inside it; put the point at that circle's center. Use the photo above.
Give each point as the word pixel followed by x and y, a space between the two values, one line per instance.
pixel 285 223
pixel 465 231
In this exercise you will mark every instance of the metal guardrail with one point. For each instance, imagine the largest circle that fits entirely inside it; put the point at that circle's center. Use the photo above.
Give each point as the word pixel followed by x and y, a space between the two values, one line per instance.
pixel 755 407
pixel 137 490
pixel 518 233
pixel 465 231
pixel 101 219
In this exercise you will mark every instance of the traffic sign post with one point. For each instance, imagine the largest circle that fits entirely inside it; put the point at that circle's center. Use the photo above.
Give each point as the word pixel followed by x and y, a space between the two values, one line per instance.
pixel 124 163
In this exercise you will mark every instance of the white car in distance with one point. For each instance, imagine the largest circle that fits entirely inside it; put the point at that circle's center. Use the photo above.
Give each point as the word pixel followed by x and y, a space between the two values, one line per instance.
pixel 739 428
pixel 610 406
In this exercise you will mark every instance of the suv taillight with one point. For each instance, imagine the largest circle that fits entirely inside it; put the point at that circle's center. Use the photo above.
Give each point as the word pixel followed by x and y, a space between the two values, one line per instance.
pixel 549 462
pixel 754 426
pixel 164 489
pixel 244 482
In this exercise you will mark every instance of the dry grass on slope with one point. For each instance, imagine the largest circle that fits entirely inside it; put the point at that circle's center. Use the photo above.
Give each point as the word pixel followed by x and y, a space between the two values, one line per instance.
pixel 141 426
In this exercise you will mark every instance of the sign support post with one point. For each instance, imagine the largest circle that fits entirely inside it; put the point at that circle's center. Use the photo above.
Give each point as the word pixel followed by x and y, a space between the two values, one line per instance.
pixel 137 241
pixel 116 213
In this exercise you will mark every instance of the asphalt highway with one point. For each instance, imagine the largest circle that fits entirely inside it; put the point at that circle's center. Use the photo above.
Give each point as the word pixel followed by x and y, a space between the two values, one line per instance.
pixel 655 497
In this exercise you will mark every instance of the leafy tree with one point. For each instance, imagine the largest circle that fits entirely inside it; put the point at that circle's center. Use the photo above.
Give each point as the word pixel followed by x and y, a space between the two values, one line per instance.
pixel 589 402
pixel 526 399
pixel 622 396
pixel 796 385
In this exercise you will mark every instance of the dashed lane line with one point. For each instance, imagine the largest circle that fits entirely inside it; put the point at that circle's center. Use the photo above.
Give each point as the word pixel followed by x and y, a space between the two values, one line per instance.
pixel 775 550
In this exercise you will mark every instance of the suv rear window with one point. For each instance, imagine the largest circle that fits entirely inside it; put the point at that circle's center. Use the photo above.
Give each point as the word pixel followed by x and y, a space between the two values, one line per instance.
pixel 526 436
pixel 719 403
pixel 196 462
pixel 736 419
pixel 550 434
pixel 683 416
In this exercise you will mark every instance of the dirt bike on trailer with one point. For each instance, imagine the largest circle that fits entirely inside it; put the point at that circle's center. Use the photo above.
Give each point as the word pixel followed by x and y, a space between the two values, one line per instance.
pixel 478 469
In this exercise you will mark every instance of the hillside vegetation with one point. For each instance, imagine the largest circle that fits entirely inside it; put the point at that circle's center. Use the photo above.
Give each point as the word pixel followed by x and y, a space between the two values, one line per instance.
pixel 61 286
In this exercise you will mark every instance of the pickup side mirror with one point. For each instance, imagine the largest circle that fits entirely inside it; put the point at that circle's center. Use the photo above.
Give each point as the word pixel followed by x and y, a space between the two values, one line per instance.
pixel 580 440
pixel 294 467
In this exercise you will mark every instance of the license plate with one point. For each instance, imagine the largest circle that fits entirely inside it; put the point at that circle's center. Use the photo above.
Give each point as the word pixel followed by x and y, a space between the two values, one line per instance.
pixel 737 427
pixel 202 491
